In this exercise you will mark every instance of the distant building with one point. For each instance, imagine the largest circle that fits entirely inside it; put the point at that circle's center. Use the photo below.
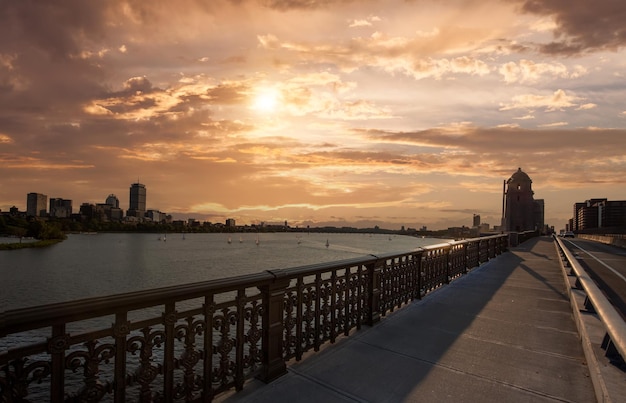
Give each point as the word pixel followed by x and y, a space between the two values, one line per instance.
pixel 521 211
pixel 88 210
pixel 112 201
pixel 476 222
pixel 230 223
pixel 36 205
pixel 137 205
pixel 156 216
pixel 60 208
pixel 594 214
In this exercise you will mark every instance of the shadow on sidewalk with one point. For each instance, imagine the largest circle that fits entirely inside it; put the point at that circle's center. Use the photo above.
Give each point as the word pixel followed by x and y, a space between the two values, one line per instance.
pixel 417 352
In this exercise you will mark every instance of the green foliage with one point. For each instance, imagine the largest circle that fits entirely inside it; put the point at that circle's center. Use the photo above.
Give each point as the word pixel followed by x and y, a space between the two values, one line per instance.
pixel 44 230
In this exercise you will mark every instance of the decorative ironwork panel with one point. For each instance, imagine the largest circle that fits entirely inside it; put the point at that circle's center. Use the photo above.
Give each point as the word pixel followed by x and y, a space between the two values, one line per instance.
pixel 472 255
pixel 457 261
pixel 434 269
pixel 483 247
pixel 290 340
pixel 399 282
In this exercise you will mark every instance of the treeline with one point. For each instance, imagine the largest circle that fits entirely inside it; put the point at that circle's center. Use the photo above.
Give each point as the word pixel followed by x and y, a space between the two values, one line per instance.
pixel 22 227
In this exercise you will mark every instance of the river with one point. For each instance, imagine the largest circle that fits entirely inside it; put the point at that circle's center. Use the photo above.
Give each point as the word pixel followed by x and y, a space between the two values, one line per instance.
pixel 97 265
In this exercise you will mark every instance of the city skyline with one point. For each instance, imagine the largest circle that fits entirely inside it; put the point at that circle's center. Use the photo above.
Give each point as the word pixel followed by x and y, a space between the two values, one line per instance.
pixel 358 113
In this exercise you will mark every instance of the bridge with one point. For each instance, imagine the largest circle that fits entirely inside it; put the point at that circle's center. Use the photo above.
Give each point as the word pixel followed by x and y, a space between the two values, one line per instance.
pixel 461 321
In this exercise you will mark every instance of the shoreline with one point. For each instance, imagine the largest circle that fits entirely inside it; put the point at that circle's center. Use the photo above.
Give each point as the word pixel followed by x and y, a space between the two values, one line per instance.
pixel 23 245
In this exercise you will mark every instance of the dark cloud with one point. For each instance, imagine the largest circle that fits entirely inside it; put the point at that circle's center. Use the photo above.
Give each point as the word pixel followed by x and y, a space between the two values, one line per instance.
pixel 55 30
pixel 582 26
pixel 503 140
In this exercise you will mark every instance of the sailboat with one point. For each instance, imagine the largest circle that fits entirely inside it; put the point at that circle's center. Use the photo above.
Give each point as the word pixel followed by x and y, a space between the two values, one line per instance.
pixel 240 239
pixel 327 243
pixel 257 241
pixel 230 240
pixel 184 237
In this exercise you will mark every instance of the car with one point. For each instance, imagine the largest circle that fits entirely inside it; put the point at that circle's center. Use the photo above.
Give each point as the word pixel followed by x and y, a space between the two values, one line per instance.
pixel 569 234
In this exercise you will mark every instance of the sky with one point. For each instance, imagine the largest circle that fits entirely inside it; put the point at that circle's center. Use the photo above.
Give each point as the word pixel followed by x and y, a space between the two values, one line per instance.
pixel 346 113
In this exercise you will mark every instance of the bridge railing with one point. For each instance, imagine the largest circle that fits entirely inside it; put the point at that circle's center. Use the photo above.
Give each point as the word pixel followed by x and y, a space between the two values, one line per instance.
pixel 192 342
pixel 614 342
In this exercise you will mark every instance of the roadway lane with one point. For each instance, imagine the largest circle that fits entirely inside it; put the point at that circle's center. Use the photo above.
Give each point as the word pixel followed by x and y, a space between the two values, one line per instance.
pixel 606 265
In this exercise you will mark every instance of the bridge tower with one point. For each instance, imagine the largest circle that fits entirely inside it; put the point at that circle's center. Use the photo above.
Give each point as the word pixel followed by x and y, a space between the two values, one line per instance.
pixel 519 212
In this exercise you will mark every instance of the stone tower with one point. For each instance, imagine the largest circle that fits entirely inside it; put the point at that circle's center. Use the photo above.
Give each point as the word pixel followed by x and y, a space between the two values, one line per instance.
pixel 519 212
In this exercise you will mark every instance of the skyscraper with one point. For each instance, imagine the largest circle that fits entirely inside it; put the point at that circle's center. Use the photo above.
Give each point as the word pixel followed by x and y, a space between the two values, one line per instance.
pixel 36 205
pixel 137 205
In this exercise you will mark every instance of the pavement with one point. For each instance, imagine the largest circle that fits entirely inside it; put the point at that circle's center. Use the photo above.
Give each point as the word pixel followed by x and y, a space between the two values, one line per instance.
pixel 505 332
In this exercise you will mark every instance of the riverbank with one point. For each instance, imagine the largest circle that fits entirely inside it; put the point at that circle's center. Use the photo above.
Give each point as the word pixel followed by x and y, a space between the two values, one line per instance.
pixel 22 245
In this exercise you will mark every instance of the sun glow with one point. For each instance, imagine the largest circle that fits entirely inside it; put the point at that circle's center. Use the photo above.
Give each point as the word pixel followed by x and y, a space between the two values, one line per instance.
pixel 266 100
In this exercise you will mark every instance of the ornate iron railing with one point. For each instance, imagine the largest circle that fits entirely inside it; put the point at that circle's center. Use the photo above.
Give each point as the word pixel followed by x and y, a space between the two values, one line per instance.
pixel 192 342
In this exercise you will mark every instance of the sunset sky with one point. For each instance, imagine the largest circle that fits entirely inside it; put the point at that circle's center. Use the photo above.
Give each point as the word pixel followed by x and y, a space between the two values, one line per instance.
pixel 346 112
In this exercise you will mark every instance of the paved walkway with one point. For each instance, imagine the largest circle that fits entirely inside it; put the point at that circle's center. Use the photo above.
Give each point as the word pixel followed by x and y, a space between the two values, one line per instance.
pixel 503 333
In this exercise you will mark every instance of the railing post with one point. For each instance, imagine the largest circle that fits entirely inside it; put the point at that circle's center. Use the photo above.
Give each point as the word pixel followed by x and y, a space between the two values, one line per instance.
pixel 448 263
pixel 121 328
pixel 272 346
pixel 57 344
pixel 373 300
pixel 465 259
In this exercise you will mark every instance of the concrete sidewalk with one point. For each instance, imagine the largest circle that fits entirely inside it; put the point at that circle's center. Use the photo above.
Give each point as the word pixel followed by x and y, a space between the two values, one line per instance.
pixel 503 333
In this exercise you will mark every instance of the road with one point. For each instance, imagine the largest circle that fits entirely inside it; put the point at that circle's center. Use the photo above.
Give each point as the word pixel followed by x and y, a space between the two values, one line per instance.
pixel 606 265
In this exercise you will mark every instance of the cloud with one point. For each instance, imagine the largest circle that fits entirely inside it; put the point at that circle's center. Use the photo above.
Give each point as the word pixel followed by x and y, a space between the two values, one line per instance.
pixel 557 101
pixel 527 71
pixel 581 28
pixel 555 124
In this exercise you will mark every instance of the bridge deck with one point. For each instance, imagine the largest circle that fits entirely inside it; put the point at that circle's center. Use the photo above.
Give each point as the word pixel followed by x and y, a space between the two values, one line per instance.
pixel 505 332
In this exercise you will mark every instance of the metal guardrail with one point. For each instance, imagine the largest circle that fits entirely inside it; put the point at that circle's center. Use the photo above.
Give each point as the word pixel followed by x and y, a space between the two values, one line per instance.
pixel 615 339
pixel 192 342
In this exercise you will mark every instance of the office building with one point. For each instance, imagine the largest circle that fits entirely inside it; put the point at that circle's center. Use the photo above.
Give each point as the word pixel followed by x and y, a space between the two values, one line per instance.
pixel 36 205
pixel 595 215
pixel 137 205
pixel 60 208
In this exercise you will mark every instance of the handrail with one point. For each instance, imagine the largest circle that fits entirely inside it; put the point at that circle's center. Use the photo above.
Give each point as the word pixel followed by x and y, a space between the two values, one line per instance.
pixel 47 315
pixel 613 322
pixel 195 341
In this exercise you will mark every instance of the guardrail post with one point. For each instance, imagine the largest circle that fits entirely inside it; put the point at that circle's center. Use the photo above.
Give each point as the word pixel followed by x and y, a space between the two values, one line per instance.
pixel 272 346
pixel 611 351
pixel 465 259
pixel 373 299
pixel 57 345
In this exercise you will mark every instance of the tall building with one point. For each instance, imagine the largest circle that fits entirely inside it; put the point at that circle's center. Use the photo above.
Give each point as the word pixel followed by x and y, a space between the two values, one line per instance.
pixel 112 201
pixel 476 221
pixel 36 205
pixel 60 208
pixel 521 211
pixel 137 205
pixel 594 214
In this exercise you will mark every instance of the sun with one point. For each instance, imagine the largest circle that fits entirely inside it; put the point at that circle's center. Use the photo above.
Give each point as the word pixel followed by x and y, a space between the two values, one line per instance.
pixel 266 100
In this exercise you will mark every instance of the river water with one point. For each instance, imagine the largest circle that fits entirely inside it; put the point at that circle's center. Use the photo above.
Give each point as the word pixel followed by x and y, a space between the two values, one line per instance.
pixel 104 264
